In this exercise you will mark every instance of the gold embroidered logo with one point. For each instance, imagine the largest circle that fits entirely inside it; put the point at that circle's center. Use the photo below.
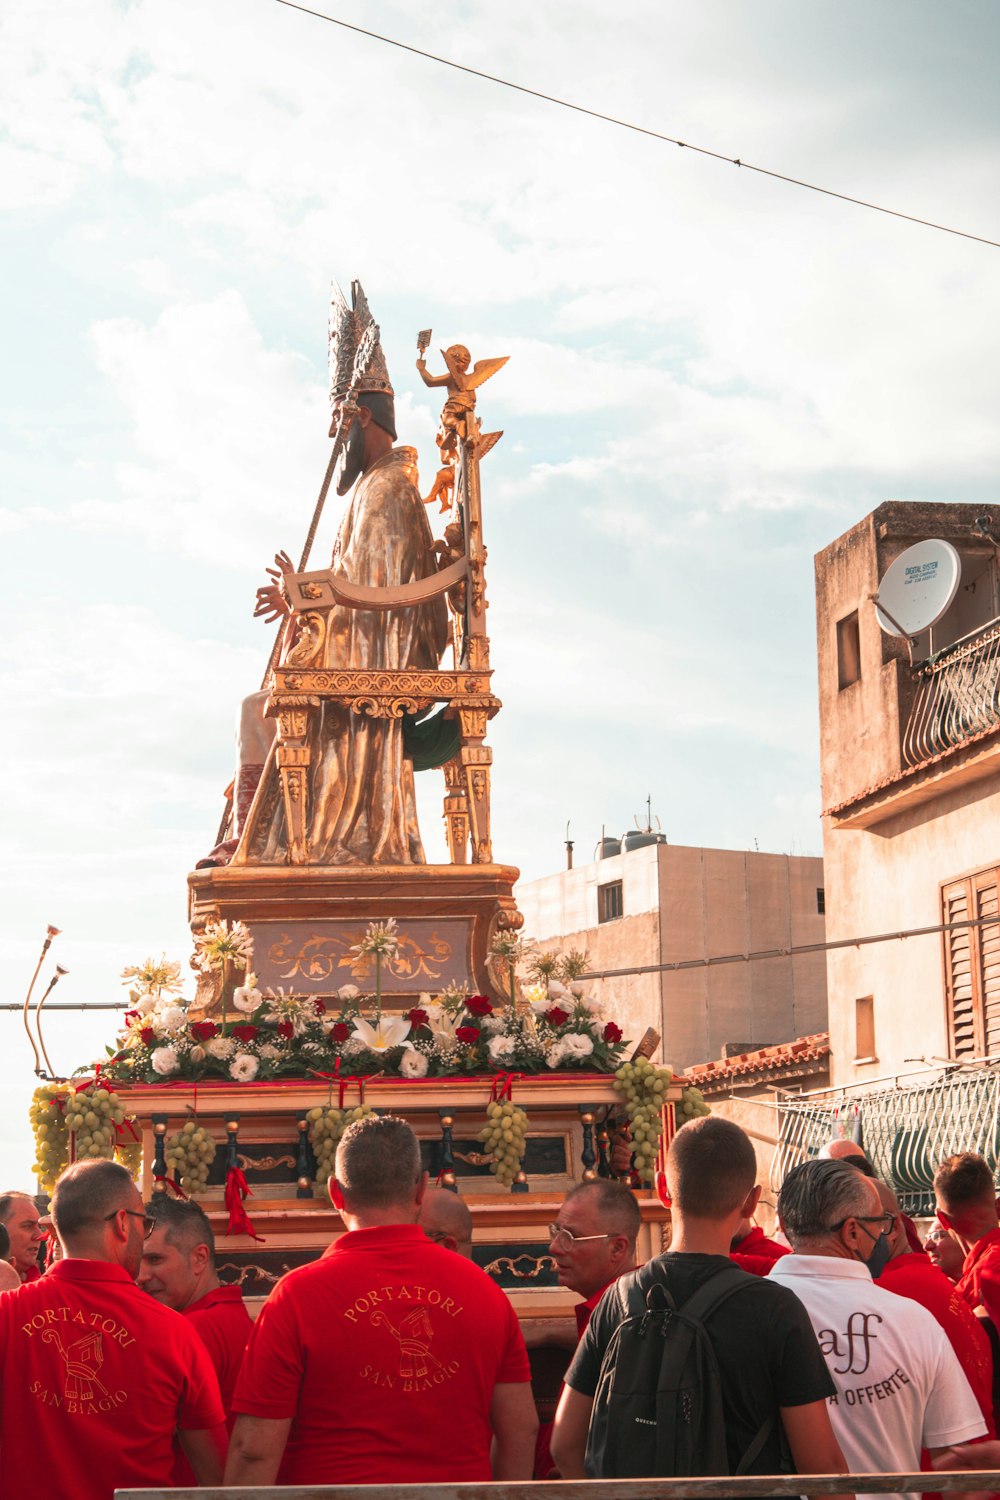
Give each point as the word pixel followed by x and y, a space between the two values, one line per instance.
pixel 418 1367
pixel 413 1336
pixel 82 1359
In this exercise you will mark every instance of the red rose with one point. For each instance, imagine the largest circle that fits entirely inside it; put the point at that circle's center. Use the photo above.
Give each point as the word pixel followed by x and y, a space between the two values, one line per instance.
pixel 478 1005
pixel 244 1033
pixel 556 1017
pixel 417 1017
pixel 285 1029
pixel 130 1015
pixel 203 1031
pixel 612 1033
pixel 320 1007
pixel 148 1036
pixel 340 1031
pixel 467 1035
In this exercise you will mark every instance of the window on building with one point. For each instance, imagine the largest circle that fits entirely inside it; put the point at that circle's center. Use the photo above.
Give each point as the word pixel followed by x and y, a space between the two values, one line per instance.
pixel 848 651
pixel 864 1029
pixel 972 964
pixel 609 901
pixel 821 900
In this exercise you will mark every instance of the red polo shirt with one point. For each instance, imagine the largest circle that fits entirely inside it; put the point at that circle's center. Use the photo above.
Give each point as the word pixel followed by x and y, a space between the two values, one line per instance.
pixel 223 1324
pixel 95 1377
pixel 385 1353
pixel 756 1253
pixel 914 1276
pixel 984 1253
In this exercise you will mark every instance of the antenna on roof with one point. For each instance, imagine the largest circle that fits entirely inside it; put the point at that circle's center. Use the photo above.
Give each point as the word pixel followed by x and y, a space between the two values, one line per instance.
pixel 569 848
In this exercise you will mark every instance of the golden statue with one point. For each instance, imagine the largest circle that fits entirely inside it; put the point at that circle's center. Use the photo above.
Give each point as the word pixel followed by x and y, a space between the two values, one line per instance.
pixel 458 416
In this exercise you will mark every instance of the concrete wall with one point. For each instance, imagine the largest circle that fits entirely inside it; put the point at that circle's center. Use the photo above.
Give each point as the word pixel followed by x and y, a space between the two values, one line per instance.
pixel 681 904
pixel 885 880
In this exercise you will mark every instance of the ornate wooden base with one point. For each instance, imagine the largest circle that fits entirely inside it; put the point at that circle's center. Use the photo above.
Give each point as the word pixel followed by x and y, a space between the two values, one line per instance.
pixel 263 1128
pixel 305 919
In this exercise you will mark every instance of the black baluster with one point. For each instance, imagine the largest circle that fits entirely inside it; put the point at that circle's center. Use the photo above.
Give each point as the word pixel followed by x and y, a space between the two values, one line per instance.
pixel 159 1154
pixel 232 1131
pixel 447 1177
pixel 304 1163
pixel 588 1156
pixel 603 1144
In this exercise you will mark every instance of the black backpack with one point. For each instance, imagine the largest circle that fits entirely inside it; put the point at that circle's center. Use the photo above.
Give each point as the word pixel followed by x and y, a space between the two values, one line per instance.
pixel 658 1409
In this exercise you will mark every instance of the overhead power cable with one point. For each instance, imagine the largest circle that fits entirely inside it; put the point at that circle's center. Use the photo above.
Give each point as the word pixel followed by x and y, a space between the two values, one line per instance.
pixel 793 950
pixel 656 135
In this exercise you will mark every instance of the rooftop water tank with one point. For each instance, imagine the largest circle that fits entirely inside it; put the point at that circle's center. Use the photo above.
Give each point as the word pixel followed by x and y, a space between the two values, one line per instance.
pixel 641 839
pixel 608 848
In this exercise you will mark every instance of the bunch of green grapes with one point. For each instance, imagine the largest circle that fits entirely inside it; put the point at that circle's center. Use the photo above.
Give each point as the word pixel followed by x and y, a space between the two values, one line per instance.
pixel 644 1089
pixel 48 1124
pixel 92 1117
pixel 326 1125
pixel 190 1152
pixel 128 1154
pixel 503 1136
pixel 692 1105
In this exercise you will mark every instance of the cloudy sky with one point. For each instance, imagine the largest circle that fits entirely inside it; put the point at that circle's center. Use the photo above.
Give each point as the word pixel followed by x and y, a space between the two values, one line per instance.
pixel 712 375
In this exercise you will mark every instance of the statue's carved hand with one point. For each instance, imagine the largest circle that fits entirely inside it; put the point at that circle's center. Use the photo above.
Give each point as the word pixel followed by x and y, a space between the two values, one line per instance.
pixel 271 602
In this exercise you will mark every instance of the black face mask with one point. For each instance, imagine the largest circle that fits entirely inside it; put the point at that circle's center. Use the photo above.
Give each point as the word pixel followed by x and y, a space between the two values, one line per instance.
pixel 352 457
pixel 879 1258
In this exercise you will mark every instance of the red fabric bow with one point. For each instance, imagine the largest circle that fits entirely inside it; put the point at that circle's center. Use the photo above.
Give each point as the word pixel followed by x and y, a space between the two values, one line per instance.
pixel 236 1191
pixel 503 1086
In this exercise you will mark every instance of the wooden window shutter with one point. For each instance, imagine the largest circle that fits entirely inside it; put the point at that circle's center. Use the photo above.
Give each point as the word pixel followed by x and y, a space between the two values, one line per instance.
pixel 972 965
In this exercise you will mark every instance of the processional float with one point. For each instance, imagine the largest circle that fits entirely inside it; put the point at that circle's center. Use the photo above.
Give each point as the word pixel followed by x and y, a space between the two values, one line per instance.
pixel 318 884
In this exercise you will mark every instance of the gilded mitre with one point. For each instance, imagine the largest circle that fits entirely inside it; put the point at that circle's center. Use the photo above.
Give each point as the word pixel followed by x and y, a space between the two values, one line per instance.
pixel 356 359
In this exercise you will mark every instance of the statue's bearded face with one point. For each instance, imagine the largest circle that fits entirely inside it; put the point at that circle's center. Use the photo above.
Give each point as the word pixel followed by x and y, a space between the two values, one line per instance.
pixel 352 458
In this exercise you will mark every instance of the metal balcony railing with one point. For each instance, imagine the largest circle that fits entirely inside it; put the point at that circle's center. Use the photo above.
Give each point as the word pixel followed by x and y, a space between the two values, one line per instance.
pixel 906 1130
pixel 958 696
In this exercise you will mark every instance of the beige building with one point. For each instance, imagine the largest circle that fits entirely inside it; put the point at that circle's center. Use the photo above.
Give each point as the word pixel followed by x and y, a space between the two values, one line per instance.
pixel 911 787
pixel 662 903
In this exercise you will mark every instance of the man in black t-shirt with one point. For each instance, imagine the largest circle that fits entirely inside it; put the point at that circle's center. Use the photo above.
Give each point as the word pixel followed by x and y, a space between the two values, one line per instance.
pixel 769 1361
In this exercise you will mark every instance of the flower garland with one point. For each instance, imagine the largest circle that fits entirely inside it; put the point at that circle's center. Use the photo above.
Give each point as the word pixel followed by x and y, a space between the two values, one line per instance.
pixel 275 1033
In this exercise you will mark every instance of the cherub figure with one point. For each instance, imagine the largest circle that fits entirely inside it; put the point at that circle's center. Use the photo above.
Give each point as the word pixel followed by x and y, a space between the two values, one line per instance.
pixel 458 419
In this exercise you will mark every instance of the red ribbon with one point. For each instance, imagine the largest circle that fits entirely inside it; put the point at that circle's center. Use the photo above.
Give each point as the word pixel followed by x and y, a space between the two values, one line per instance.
pixel 236 1191
pixel 503 1086
pixel 333 1078
pixel 173 1184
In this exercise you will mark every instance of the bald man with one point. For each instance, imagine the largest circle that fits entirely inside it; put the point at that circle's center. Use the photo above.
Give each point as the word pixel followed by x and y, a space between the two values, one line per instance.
pixel 446 1220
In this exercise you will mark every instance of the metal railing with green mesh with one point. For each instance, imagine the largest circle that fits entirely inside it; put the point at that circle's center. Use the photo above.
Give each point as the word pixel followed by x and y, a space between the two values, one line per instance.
pixel 906 1129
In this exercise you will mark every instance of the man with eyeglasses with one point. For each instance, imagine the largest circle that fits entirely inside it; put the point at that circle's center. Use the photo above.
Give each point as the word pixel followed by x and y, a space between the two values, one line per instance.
pixel 899 1385
pixel 95 1377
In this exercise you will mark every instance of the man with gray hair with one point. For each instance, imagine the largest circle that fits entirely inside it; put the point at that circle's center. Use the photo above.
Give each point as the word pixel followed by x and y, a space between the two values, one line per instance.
pixel 389 1360
pixel 899 1385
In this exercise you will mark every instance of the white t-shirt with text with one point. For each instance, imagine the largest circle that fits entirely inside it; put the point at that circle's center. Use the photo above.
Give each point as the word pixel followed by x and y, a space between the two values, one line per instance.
pixel 900 1387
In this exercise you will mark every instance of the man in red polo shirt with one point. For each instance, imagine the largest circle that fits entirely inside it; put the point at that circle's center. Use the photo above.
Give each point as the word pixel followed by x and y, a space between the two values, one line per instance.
pixel 20 1217
pixel 914 1276
pixel 389 1360
pixel 96 1377
pixel 178 1269
pixel 966 1204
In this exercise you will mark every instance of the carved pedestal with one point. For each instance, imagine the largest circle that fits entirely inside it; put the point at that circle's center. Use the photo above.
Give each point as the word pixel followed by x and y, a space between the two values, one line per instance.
pixel 305 919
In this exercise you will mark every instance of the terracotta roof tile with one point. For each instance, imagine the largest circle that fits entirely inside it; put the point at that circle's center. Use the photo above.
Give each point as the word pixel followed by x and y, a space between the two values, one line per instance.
pixel 764 1060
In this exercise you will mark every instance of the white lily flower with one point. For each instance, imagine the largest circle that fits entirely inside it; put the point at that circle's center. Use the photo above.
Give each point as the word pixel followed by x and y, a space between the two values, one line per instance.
pixel 390 1032
pixel 443 1028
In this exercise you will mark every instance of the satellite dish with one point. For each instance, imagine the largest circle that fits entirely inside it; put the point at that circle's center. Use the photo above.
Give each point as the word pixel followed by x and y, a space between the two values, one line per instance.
pixel 918 588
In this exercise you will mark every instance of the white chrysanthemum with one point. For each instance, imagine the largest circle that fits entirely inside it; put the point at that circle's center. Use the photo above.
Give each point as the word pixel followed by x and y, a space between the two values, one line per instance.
pixel 164 1060
pixel 246 999
pixel 243 1067
pixel 500 1048
pixel 412 1064
pixel 555 1054
pixel 169 1018
pixel 220 1046
pixel 348 992
pixel 576 1045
